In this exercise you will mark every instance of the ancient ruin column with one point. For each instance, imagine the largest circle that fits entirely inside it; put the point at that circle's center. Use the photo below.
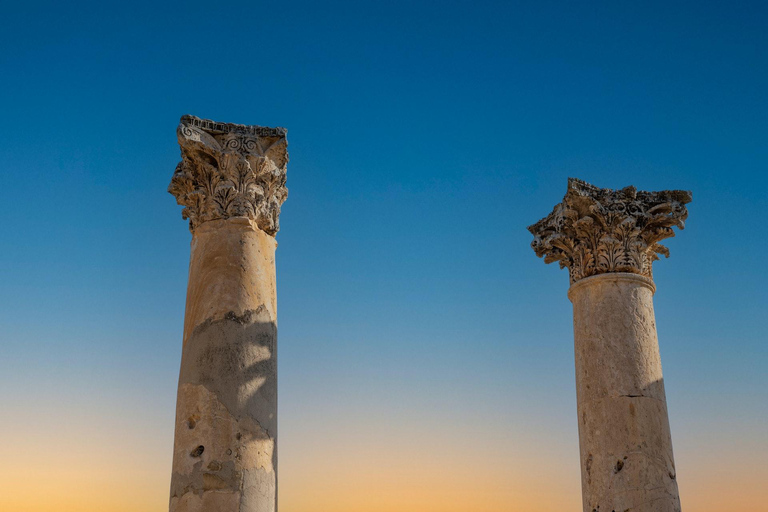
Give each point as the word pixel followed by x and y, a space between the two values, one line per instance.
pixel 608 239
pixel 231 182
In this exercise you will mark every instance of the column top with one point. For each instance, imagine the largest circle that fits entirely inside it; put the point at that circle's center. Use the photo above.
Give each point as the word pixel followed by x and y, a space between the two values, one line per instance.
pixel 230 170
pixel 599 230
pixel 611 277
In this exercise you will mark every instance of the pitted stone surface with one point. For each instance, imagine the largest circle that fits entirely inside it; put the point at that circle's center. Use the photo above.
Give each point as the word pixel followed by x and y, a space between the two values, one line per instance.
pixel 226 412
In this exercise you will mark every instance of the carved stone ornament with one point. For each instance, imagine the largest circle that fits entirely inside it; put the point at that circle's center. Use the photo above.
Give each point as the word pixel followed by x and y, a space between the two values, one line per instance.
pixel 598 230
pixel 230 170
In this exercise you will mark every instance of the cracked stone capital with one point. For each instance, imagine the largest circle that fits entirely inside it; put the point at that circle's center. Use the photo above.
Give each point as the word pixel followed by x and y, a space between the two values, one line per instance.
pixel 599 230
pixel 230 170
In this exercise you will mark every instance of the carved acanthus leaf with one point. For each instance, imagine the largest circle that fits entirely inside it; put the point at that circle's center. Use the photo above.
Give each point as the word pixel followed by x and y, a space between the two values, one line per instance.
pixel 596 230
pixel 230 170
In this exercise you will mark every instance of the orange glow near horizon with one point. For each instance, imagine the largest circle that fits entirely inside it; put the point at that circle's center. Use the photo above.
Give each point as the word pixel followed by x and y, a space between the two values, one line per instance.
pixel 74 479
pixel 110 466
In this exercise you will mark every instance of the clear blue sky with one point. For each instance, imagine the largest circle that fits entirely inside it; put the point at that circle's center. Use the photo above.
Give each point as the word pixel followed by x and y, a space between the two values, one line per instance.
pixel 424 138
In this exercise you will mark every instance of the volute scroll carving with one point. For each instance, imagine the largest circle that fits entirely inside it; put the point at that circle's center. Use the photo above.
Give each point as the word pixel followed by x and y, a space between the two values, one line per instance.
pixel 595 230
pixel 230 170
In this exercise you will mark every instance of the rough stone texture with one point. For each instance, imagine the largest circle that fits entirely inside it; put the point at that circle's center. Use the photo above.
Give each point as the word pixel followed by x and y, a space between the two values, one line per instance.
pixel 598 230
pixel 226 413
pixel 624 437
pixel 230 170
pixel 225 447
pixel 608 240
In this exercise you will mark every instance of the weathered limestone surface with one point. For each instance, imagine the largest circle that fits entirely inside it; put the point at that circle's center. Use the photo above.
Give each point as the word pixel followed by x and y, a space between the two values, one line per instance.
pixel 232 183
pixel 608 240
pixel 624 438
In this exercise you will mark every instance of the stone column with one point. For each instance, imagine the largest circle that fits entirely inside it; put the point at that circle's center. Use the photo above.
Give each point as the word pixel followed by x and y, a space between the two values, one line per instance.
pixel 608 239
pixel 231 182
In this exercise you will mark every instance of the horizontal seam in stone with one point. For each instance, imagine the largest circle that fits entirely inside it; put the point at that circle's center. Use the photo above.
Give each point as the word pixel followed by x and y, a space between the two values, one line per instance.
pixel 621 396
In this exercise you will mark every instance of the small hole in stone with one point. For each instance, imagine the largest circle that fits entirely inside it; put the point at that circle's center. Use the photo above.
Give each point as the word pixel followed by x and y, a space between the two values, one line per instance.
pixel 191 422
pixel 619 465
pixel 238 436
pixel 198 451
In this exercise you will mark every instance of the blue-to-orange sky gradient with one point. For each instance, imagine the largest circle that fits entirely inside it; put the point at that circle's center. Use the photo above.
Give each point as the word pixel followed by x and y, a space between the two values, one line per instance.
pixel 426 358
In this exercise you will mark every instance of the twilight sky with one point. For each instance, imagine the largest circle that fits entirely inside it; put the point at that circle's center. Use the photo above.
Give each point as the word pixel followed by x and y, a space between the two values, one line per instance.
pixel 426 354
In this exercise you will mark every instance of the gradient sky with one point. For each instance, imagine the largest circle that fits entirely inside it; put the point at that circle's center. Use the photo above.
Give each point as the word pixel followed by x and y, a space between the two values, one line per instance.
pixel 426 354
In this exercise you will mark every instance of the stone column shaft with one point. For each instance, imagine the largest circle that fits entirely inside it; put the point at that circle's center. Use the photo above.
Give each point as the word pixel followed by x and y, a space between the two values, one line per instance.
pixel 608 240
pixel 624 437
pixel 232 182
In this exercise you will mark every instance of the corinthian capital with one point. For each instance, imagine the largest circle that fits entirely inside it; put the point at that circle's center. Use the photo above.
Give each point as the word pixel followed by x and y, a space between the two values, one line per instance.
pixel 230 170
pixel 599 230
